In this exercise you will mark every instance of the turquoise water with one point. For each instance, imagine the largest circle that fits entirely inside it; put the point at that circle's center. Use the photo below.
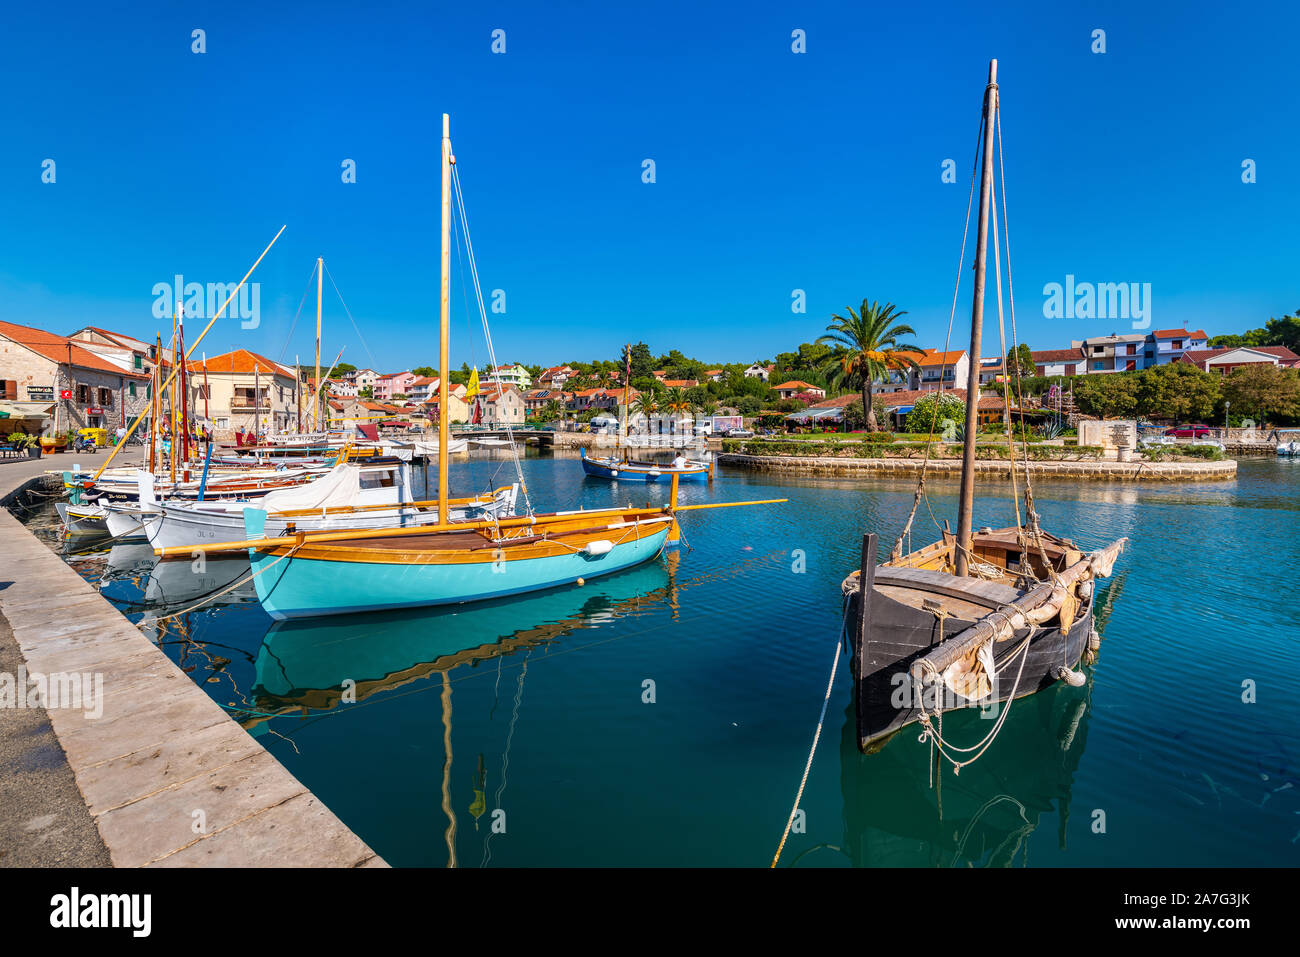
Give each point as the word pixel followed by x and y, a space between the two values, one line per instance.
pixel 424 730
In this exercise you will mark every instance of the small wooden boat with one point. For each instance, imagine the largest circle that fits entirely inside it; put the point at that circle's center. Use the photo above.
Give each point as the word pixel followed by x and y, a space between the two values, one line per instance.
pixel 627 470
pixel 971 619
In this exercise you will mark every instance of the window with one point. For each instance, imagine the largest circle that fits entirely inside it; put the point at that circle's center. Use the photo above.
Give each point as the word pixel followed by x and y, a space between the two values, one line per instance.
pixel 1069 369
pixel 132 387
pixel 1178 343
pixel 10 390
pixel 83 395
pixel 105 398
pixel 1097 350
pixel 1096 367
pixel 1132 348
pixel 139 361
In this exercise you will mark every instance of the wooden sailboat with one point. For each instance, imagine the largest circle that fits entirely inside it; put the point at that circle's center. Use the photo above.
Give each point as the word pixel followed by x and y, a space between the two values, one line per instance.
pixel 304 575
pixel 620 466
pixel 971 619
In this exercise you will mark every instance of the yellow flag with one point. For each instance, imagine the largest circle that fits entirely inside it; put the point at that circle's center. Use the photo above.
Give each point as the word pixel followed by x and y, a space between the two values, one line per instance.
pixel 473 384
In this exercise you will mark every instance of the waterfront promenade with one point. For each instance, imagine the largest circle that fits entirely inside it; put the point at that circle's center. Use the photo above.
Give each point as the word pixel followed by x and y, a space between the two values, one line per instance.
pixel 163 776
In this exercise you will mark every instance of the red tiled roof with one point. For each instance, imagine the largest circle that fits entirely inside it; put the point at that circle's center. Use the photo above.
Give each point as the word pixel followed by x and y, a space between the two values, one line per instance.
pixel 1179 334
pixel 121 339
pixel 240 362
pixel 1201 356
pixel 61 349
pixel 799 385
pixel 935 358
pixel 1058 355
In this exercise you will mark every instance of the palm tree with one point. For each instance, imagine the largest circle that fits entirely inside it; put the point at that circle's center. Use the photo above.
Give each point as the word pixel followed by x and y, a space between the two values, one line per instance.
pixel 871 349
pixel 645 403
pixel 677 402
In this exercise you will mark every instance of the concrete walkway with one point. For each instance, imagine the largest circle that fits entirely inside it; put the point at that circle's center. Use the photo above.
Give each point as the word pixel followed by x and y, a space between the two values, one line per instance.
pixel 164 775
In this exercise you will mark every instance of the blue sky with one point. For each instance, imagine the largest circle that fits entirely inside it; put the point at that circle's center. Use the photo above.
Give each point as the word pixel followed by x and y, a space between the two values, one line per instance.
pixel 775 171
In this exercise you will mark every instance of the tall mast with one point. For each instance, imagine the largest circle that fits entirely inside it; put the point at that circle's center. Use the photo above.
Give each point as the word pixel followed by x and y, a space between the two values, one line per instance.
pixel 297 389
pixel 182 386
pixel 206 391
pixel 315 396
pixel 444 320
pixel 155 405
pixel 257 405
pixel 967 500
pixel 171 455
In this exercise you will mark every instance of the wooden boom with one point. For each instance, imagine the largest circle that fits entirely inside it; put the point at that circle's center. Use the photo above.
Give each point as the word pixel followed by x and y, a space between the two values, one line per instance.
pixel 1035 607
pixel 363 533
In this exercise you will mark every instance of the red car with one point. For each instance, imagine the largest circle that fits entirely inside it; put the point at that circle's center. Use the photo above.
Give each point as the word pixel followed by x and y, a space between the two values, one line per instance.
pixel 1189 431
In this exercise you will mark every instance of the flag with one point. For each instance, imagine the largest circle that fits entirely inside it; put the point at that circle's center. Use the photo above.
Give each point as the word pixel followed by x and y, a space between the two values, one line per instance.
pixel 473 384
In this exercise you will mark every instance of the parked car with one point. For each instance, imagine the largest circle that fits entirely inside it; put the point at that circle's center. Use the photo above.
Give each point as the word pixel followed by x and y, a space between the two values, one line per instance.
pixel 739 434
pixel 1189 431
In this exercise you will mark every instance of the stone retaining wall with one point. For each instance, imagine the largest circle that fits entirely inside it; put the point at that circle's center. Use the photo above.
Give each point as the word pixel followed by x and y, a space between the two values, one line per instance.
pixel 1093 470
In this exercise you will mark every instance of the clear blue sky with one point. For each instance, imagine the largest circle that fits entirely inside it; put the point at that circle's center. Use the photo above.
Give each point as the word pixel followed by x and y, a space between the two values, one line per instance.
pixel 775 171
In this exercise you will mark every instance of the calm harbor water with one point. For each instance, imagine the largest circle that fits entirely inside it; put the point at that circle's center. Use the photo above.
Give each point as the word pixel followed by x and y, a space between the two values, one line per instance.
pixel 519 732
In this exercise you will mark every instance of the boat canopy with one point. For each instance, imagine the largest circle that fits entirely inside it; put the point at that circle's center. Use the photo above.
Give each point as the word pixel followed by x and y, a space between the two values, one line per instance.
pixel 341 486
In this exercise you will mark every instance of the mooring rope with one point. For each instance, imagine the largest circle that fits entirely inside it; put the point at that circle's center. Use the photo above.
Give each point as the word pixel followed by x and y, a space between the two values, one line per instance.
pixel 215 595
pixel 839 647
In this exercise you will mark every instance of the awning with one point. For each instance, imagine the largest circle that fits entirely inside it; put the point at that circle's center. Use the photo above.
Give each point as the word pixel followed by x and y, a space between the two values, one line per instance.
pixel 902 409
pixel 24 410
pixel 814 415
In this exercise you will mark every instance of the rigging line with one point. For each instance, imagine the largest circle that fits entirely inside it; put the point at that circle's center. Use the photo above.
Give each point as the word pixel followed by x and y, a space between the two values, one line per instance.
pixel 1011 295
pixel 293 325
pixel 1002 343
pixel 947 342
pixel 355 329
pixel 487 333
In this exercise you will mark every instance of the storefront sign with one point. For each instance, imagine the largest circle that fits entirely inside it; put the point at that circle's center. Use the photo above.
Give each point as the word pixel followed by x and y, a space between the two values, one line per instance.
pixel 94 410
pixel 40 393
pixel 65 394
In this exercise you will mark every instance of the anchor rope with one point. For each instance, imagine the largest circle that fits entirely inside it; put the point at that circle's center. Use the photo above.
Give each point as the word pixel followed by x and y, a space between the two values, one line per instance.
pixel 839 647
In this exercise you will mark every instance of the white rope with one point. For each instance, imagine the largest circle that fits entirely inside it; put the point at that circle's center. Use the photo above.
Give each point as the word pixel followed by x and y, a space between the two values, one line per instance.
pixel 487 333
pixel 936 735
pixel 839 645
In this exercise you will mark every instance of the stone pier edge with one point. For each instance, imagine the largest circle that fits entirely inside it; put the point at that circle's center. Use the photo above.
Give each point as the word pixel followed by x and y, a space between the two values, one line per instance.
pixel 162 749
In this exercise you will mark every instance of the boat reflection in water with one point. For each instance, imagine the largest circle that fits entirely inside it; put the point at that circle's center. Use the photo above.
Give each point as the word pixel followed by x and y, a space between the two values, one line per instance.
pixel 980 818
pixel 896 814
pixel 135 578
pixel 312 663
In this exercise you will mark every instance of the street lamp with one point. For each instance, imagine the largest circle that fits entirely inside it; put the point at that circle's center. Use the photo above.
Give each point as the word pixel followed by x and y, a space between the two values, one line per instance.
pixel 1226 406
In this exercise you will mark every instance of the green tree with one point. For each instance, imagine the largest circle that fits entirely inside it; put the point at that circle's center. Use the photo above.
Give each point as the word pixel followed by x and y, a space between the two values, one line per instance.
pixel 1020 360
pixel 366 392
pixel 934 411
pixel 1108 396
pixel 1264 392
pixel 871 349
pixel 643 363
pixel 1177 390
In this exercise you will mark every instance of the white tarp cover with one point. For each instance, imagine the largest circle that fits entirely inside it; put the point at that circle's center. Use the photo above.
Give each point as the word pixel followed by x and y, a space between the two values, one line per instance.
pixel 340 486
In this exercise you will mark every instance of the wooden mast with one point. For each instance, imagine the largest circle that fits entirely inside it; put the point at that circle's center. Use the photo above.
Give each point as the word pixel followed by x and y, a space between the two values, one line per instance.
pixel 967 500
pixel 444 320
pixel 315 396
pixel 171 454
pixel 155 405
